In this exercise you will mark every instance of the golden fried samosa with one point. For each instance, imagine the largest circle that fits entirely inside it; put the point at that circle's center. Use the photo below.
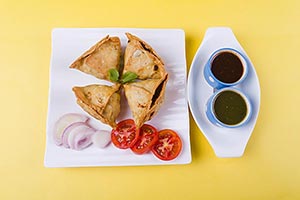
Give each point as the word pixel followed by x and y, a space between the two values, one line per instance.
pixel 100 101
pixel 145 98
pixel 141 59
pixel 100 58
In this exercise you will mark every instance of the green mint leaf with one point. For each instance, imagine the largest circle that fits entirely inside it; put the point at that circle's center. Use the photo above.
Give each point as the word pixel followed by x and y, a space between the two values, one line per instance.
pixel 113 75
pixel 129 77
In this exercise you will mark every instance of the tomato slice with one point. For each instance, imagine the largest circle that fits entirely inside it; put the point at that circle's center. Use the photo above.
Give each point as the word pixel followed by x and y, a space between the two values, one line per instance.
pixel 125 134
pixel 147 138
pixel 168 146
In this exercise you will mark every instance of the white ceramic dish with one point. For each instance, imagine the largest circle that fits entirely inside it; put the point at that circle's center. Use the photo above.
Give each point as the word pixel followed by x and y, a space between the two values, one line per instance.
pixel 70 43
pixel 226 142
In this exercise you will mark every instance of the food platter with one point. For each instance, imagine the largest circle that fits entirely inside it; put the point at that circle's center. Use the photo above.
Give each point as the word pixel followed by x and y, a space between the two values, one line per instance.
pixel 67 45
pixel 226 142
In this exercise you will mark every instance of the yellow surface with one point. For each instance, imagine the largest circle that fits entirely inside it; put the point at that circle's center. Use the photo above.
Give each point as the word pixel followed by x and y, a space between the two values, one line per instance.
pixel 270 169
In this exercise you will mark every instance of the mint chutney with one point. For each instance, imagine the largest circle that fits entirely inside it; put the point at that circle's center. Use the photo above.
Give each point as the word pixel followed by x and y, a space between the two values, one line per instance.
pixel 230 107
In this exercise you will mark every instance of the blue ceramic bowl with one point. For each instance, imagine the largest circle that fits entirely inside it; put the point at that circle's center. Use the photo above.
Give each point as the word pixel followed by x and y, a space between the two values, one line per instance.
pixel 210 113
pixel 210 77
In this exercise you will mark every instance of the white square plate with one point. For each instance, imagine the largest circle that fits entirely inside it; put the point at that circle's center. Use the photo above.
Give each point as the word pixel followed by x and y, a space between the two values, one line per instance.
pixel 70 43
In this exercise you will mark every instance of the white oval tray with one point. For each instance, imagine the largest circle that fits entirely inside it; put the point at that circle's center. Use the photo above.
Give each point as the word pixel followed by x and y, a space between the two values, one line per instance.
pixel 226 142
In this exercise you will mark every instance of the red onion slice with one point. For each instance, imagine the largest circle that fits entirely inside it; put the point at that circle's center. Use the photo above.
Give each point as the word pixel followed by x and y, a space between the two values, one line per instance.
pixel 64 122
pixel 76 128
pixel 80 138
pixel 101 138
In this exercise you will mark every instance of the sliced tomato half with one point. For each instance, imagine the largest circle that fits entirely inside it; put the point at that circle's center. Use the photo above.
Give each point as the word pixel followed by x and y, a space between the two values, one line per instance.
pixel 125 134
pixel 168 146
pixel 147 138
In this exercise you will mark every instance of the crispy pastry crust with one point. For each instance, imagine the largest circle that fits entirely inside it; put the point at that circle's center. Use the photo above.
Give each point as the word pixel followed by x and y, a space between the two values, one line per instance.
pixel 100 58
pixel 145 98
pixel 100 101
pixel 142 59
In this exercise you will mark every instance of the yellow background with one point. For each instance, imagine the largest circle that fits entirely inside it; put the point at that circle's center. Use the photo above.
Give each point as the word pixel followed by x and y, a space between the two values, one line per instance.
pixel 269 31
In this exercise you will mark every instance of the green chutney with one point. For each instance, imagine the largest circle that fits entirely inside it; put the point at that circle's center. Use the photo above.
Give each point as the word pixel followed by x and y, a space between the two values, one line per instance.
pixel 230 107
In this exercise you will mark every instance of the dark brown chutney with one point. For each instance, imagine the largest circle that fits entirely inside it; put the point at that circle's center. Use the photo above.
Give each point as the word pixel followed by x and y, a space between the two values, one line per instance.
pixel 227 67
pixel 230 107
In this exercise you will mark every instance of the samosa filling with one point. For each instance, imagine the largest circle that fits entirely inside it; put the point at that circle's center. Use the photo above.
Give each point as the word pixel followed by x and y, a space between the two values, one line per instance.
pixel 157 92
pixel 144 47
